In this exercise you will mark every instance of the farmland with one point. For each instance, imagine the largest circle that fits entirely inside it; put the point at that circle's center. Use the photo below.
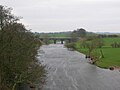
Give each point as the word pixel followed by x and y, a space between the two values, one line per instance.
pixel 111 55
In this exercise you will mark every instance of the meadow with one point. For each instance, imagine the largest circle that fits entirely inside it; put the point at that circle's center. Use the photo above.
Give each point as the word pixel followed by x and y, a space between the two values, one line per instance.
pixel 111 55
pixel 109 41
pixel 111 58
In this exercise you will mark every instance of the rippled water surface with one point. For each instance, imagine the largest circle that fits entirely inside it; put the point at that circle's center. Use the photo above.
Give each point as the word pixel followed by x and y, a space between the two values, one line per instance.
pixel 69 70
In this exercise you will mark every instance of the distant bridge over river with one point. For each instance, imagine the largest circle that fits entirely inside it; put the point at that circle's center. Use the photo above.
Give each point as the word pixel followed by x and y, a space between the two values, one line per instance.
pixel 55 39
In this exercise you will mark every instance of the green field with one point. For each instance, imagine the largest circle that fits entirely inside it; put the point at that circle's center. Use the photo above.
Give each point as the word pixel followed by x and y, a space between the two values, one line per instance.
pixel 109 41
pixel 111 55
pixel 58 34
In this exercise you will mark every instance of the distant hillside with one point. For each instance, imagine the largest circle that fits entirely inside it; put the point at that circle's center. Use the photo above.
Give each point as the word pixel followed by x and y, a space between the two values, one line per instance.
pixel 68 34
pixel 56 34
pixel 60 34
pixel 107 33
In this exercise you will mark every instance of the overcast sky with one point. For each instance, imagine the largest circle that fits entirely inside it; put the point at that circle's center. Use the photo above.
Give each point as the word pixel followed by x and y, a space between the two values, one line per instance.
pixel 67 15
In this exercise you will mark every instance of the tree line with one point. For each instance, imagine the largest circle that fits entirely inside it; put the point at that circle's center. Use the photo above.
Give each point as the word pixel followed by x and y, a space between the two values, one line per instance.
pixel 18 54
pixel 88 41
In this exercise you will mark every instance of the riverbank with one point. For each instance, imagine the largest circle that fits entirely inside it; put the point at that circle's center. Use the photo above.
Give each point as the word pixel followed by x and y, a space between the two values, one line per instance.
pixel 111 56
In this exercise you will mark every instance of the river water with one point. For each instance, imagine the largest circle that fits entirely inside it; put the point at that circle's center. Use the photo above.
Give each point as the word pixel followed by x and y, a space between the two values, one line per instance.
pixel 69 70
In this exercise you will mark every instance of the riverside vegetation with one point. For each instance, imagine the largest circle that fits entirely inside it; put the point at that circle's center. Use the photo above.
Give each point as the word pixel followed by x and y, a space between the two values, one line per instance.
pixel 18 54
pixel 104 51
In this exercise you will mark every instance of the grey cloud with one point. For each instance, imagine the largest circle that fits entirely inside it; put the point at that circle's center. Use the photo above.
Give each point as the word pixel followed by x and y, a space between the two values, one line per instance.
pixel 63 15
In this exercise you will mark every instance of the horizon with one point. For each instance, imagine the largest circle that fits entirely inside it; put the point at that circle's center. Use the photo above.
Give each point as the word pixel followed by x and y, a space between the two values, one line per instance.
pixel 72 30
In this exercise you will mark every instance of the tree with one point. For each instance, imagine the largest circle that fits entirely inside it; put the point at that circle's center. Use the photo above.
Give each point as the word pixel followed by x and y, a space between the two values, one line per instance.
pixel 98 42
pixel 74 36
pixel 18 51
pixel 77 34
pixel 92 44
pixel 70 46
pixel 6 17
pixel 46 39
pixel 81 32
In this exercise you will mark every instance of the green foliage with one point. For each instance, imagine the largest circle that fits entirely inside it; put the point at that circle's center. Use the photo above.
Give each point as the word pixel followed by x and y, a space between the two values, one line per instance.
pixel 89 47
pixel 70 46
pixel 57 34
pixel 46 39
pixel 77 34
pixel 91 44
pixel 74 36
pixel 81 32
pixel 109 41
pixel 111 55
pixel 18 51
pixel 115 45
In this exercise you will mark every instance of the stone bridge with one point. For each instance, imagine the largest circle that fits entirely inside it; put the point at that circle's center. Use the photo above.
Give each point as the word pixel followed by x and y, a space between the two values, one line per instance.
pixel 55 39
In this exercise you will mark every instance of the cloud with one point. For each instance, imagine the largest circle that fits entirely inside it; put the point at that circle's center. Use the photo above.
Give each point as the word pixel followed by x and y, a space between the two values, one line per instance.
pixel 63 15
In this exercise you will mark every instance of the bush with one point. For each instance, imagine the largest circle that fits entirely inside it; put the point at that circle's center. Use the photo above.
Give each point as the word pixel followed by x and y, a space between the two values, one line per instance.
pixel 115 45
pixel 18 51
pixel 70 46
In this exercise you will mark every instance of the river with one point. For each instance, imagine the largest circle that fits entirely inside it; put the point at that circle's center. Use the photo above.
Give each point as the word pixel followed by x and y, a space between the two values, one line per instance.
pixel 69 70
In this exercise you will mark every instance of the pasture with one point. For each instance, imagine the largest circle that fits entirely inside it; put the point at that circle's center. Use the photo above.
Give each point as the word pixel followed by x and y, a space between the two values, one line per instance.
pixel 111 55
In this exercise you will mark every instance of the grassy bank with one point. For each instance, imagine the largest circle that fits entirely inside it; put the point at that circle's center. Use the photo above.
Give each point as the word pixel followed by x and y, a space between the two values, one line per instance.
pixel 111 55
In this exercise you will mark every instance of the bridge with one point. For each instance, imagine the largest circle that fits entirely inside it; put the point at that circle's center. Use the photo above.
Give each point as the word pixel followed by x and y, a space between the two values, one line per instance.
pixel 55 39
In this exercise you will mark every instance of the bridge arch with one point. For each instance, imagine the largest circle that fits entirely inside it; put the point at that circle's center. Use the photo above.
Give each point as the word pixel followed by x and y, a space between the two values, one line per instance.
pixel 61 39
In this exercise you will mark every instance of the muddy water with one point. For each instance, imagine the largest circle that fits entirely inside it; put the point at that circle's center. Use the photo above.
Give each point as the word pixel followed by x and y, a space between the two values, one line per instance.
pixel 69 70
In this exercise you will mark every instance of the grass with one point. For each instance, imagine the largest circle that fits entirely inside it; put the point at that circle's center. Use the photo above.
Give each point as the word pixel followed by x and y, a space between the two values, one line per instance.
pixel 111 55
pixel 111 58
pixel 109 41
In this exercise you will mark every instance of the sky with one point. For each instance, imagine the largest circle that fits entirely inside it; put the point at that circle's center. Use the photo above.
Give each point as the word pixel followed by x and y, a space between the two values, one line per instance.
pixel 67 15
